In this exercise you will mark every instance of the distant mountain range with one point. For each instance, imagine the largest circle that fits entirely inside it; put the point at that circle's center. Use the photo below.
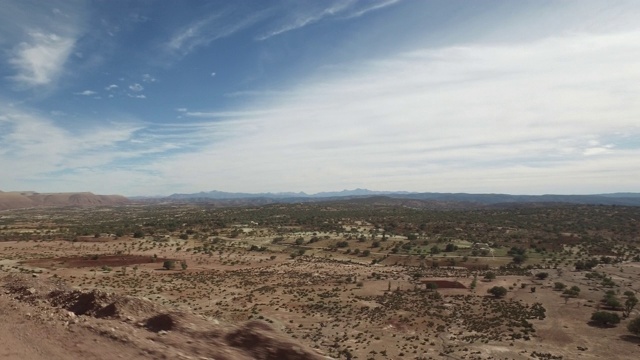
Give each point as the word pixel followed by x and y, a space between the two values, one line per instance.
pixel 427 200
pixel 220 195
pixel 29 199
pixel 473 200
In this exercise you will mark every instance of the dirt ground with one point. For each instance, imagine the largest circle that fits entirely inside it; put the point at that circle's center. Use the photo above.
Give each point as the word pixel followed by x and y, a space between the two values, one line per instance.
pixel 330 306
pixel 44 319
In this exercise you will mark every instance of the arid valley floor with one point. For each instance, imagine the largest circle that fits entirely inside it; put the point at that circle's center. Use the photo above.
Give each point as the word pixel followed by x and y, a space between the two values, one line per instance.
pixel 341 280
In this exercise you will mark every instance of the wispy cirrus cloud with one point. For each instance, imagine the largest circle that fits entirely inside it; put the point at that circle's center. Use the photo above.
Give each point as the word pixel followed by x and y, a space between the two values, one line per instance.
pixel 279 19
pixel 307 14
pixel 36 145
pixel 372 6
pixel 204 31
pixel 40 152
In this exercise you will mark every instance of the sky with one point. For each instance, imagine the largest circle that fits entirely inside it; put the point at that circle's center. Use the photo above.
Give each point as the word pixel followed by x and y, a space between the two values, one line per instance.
pixel 160 97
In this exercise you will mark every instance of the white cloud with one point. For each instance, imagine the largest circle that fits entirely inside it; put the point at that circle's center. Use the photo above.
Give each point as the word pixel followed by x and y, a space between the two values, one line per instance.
pixel 137 96
pixel 136 87
pixel 86 93
pixel 525 118
pixel 40 60
pixel 35 145
pixel 45 156
pixel 111 87
pixel 213 74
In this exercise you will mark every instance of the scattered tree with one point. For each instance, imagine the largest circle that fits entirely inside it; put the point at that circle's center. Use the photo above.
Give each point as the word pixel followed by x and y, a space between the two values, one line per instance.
pixel 169 264
pixel 542 275
pixel 498 291
pixel 559 286
pixel 629 304
pixel 612 302
pixel 586 265
pixel 634 326
pixel 574 291
pixel 605 318
pixel 490 275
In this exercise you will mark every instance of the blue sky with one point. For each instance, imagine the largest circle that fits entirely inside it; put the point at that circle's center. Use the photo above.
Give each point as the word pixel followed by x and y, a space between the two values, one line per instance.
pixel 159 97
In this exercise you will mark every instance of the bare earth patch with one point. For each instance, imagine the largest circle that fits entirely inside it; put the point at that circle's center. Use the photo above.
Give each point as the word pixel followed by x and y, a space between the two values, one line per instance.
pixel 93 261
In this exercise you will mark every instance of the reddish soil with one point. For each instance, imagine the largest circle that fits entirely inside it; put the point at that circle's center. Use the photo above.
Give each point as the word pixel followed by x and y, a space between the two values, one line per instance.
pixel 94 261
pixel 445 284
pixel 474 266
pixel 93 239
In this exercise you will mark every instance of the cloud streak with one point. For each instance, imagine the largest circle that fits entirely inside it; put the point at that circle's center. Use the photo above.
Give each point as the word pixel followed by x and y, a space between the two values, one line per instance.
pixel 203 32
pixel 371 7
pixel 307 15
pixel 38 151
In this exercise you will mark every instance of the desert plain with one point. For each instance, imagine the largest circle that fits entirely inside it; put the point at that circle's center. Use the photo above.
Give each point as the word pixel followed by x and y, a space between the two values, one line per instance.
pixel 341 280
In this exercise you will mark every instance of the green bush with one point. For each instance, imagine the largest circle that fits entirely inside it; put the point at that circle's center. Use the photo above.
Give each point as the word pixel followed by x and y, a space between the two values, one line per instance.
pixel 542 275
pixel 498 291
pixel 605 318
pixel 559 286
pixel 169 264
pixel 490 275
pixel 634 326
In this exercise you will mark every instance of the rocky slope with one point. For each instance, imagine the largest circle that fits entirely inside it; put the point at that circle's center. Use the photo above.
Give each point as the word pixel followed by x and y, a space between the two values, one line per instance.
pixel 44 319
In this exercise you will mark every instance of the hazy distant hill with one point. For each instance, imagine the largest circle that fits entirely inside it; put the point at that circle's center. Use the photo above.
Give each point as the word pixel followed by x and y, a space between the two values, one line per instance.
pixel 629 199
pixel 27 199
pixel 462 199
pixel 221 195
